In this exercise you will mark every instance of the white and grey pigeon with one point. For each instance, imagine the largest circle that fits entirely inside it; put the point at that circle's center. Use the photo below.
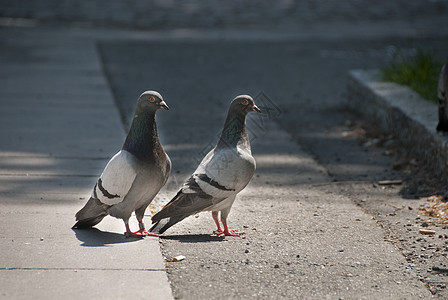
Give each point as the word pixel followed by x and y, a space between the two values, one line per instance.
pixel 221 175
pixel 134 176
pixel 442 96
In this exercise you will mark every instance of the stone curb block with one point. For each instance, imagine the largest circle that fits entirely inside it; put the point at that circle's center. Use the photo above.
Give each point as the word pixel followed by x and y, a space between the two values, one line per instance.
pixel 400 111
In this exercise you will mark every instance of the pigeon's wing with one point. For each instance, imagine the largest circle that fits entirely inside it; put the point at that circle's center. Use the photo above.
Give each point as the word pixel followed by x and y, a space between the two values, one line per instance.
pixel 116 179
pixel 226 173
pixel 220 175
pixel 189 200
pixel 213 186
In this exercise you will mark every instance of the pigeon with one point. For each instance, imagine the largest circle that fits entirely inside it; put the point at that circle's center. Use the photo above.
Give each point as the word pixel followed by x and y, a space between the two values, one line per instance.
pixel 133 176
pixel 442 96
pixel 222 174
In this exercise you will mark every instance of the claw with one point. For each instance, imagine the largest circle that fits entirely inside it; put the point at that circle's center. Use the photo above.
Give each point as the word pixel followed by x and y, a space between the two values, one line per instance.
pixel 227 232
pixel 133 234
pixel 139 233
pixel 143 232
pixel 218 232
pixel 232 233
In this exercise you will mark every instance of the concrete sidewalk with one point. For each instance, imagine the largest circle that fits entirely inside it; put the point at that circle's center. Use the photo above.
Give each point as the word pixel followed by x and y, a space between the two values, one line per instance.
pixel 58 127
pixel 303 239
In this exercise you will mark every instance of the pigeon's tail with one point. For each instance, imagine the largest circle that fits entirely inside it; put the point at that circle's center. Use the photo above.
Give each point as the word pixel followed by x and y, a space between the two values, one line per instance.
pixel 91 214
pixel 162 225
pixel 162 220
pixel 180 207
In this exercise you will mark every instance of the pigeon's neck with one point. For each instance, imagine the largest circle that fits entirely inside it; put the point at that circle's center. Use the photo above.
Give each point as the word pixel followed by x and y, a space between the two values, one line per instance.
pixel 234 132
pixel 143 140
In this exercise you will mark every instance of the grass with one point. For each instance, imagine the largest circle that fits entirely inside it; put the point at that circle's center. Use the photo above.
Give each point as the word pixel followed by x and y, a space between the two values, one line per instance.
pixel 420 72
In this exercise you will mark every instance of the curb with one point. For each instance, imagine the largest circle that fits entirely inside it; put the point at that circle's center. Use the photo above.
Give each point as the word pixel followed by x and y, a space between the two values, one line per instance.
pixel 400 111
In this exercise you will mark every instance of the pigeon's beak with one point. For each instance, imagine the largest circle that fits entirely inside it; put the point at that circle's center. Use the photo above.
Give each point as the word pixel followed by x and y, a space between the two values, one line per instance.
pixel 164 106
pixel 255 108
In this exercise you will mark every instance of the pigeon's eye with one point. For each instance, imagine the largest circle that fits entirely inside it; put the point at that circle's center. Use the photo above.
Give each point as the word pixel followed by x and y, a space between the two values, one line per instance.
pixel 245 102
pixel 152 99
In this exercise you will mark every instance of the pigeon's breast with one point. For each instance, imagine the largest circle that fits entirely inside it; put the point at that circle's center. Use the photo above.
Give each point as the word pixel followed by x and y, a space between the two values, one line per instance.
pixel 126 177
pixel 117 178
pixel 231 168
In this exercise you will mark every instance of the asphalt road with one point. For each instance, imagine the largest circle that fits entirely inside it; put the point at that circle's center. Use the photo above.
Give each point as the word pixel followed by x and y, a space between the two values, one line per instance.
pixel 306 79
pixel 302 230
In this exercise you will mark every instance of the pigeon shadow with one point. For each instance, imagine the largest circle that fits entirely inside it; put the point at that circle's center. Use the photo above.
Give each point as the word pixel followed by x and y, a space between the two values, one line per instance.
pixel 93 237
pixel 194 238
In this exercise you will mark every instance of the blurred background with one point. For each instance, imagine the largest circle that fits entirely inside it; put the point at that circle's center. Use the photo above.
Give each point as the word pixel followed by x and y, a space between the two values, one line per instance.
pixel 283 15
pixel 63 61
pixel 201 54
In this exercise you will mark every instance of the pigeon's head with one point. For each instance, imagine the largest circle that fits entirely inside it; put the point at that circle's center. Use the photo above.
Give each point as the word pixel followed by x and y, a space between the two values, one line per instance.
pixel 151 101
pixel 244 104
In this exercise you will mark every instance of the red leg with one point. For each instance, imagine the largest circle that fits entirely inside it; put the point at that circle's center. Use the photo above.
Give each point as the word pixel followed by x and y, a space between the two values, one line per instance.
pixel 140 233
pixel 229 232
pixel 218 231
pixel 129 233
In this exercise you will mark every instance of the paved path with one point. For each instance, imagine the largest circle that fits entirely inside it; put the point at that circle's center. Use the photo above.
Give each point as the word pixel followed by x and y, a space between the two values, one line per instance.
pixel 58 127
pixel 303 239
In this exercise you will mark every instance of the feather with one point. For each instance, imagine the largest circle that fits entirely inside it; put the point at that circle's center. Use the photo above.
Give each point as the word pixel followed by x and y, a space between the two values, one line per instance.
pixel 91 214
pixel 133 176
pixel 221 175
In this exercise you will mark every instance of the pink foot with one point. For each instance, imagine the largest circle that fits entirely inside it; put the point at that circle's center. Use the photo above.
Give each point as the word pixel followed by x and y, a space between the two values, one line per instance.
pixel 143 232
pixel 133 234
pixel 232 233
pixel 218 232
pixel 147 233
pixel 140 233
pixel 227 232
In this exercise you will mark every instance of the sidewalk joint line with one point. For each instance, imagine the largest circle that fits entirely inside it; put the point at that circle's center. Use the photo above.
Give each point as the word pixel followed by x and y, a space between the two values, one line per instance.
pixel 47 175
pixel 79 269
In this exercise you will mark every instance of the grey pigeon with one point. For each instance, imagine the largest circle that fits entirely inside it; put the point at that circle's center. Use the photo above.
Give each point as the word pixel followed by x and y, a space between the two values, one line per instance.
pixel 221 175
pixel 134 176
pixel 442 95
